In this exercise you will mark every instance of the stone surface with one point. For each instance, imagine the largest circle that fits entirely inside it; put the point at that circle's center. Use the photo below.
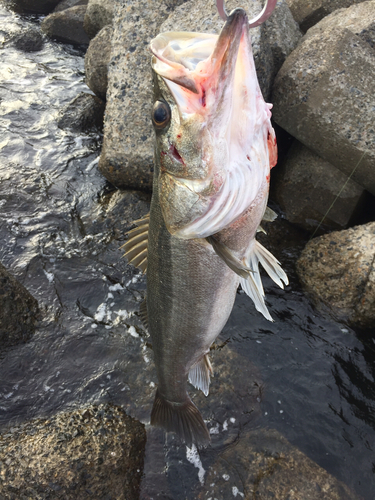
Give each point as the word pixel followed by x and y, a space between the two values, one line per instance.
pixel 97 59
pixel 96 452
pixel 66 26
pixel 339 269
pixel 127 154
pixel 66 4
pixel 263 465
pixel 37 6
pixel 83 114
pixel 99 13
pixel 323 94
pixel 309 13
pixel 31 40
pixel 18 311
pixel 312 192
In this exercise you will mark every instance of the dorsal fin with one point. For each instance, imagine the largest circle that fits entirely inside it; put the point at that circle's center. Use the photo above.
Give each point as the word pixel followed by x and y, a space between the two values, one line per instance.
pixel 137 244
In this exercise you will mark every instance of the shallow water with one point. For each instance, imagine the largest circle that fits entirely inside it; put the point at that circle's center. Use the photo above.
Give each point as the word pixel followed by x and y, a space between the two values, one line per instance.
pixel 61 226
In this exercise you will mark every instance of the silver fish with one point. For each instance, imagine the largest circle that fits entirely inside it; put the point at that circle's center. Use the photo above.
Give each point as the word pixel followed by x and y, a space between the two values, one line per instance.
pixel 214 149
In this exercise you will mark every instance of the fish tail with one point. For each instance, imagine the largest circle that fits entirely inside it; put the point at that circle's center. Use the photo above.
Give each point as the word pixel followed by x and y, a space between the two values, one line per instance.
pixel 182 418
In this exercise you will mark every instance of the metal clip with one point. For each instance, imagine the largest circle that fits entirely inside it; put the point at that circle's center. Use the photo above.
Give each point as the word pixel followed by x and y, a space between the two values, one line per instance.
pixel 259 19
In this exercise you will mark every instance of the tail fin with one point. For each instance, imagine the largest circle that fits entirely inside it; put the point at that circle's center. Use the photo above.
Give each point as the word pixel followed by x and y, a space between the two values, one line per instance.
pixel 182 418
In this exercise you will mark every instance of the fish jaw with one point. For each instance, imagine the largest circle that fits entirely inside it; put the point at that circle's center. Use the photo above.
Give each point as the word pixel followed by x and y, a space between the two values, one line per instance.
pixel 217 149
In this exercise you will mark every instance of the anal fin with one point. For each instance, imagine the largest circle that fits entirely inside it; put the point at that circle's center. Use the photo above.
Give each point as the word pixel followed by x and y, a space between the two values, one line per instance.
pixel 199 374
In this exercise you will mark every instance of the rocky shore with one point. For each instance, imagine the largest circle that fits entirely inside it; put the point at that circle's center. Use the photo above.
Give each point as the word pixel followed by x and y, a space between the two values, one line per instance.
pixel 314 61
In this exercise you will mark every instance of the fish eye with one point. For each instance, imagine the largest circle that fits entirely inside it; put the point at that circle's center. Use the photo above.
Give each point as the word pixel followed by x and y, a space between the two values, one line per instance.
pixel 161 114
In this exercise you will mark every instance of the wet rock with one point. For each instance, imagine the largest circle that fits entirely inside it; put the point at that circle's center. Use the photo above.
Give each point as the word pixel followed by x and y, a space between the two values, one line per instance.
pixel 127 154
pixel 311 191
pixel 83 114
pixel 264 465
pixel 31 40
pixel 339 270
pixel 18 311
pixel 66 4
pixel 66 26
pixel 309 13
pixel 97 59
pixel 95 452
pixel 99 13
pixel 37 6
pixel 323 96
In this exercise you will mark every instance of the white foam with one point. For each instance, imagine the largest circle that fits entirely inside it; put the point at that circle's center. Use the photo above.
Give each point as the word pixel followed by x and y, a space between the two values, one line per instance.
pixel 193 457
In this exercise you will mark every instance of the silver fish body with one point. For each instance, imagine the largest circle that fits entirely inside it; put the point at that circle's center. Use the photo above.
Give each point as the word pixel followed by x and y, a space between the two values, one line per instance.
pixel 214 149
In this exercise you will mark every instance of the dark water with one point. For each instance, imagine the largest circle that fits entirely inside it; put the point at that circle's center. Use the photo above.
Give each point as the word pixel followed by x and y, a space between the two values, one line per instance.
pixel 61 226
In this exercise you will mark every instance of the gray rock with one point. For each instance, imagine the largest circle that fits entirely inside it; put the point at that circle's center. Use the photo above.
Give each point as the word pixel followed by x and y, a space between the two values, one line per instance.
pixel 18 311
pixel 127 154
pixel 67 26
pixel 66 4
pixel 83 114
pixel 95 452
pixel 31 40
pixel 99 13
pixel 97 59
pixel 313 193
pixel 324 97
pixel 338 269
pixel 309 13
pixel 264 465
pixel 37 6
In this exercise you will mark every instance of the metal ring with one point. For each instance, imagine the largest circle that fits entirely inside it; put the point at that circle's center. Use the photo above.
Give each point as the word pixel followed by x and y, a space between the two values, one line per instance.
pixel 259 19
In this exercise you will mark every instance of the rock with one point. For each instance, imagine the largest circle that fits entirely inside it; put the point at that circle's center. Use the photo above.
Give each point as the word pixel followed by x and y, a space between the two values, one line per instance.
pixel 324 97
pixel 95 452
pixel 99 13
pixel 83 114
pixel 66 4
pixel 37 6
pixel 97 59
pixel 264 465
pixel 128 143
pixel 18 311
pixel 31 40
pixel 309 13
pixel 127 153
pixel 66 26
pixel 312 192
pixel 339 270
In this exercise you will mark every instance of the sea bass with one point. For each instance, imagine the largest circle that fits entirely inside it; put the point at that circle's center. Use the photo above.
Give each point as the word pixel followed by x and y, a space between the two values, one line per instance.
pixel 215 147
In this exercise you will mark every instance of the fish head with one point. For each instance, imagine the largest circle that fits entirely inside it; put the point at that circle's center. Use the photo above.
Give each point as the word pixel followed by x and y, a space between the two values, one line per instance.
pixel 212 128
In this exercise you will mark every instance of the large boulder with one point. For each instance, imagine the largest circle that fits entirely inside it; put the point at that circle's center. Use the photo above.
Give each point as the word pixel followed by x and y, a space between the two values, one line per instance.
pixel 30 40
pixel 339 270
pixel 18 311
pixel 313 193
pixel 66 4
pixel 323 94
pixel 99 13
pixel 37 6
pixel 309 13
pixel 83 114
pixel 264 465
pixel 95 452
pixel 66 26
pixel 127 155
pixel 97 59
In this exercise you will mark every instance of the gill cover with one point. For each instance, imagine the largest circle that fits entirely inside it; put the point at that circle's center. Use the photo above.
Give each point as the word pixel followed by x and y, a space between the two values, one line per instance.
pixel 215 152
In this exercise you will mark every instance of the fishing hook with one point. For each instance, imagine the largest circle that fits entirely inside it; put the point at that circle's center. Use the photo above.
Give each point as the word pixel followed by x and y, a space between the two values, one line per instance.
pixel 259 19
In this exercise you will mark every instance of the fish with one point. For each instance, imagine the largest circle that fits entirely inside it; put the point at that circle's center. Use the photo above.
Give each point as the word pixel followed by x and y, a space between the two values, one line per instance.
pixel 215 147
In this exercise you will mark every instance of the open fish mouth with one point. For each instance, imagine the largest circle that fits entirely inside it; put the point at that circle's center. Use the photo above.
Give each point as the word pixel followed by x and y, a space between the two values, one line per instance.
pixel 212 80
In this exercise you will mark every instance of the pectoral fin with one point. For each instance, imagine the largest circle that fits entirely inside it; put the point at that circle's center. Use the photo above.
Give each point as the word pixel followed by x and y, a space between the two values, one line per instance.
pixel 199 374
pixel 229 258
pixel 137 244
